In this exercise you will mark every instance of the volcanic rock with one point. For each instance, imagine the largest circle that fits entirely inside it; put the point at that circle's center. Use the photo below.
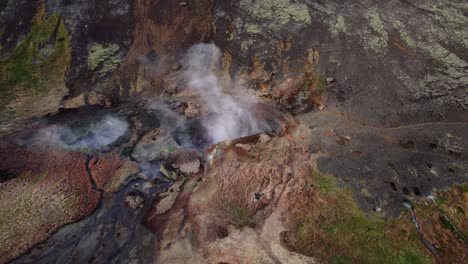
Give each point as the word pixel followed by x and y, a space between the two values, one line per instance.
pixel 134 201
pixel 187 162
pixel 56 192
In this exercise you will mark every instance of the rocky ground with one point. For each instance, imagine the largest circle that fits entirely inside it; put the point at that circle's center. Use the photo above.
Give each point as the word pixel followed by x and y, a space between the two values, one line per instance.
pixel 300 132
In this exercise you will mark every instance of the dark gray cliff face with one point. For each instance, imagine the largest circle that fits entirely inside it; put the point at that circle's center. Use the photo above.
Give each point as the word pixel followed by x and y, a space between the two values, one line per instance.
pixel 15 19
pixel 394 62
pixel 97 28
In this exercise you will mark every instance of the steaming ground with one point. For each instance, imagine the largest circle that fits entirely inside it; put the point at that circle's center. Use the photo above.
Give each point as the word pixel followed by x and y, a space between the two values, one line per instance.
pixel 95 135
pixel 226 115
pixel 230 117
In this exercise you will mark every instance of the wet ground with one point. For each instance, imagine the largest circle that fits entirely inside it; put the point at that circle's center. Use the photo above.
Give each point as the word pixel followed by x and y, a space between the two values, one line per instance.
pixel 104 236
pixel 108 234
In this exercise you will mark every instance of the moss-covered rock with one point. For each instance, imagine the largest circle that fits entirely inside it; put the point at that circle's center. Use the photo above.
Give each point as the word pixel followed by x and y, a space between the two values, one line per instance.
pixel 338 27
pixel 32 76
pixel 375 37
pixel 104 58
pixel 273 15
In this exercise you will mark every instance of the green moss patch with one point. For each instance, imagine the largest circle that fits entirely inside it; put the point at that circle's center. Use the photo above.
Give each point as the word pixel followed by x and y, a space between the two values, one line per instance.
pixel 36 66
pixel 314 83
pixel 367 241
pixel 126 151
pixel 327 223
pixel 239 215
pixel 324 183
pixel 33 61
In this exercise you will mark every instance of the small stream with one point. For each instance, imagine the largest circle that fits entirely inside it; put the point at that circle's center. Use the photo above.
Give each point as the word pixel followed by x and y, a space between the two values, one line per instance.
pixel 426 242
pixel 103 236
pixel 107 234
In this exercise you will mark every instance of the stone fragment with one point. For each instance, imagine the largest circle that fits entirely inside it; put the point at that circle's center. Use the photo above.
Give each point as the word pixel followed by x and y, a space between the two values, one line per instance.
pixel 193 110
pixel 168 198
pixel 75 102
pixel 95 98
pixel 169 174
pixel 452 144
pixel 187 162
pixel 264 138
pixel 244 146
pixel 134 201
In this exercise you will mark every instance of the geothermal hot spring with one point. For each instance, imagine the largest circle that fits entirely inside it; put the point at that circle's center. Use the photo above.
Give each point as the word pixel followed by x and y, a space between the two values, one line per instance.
pixel 176 144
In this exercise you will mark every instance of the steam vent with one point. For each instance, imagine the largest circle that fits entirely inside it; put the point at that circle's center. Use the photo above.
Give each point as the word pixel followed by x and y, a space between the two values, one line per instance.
pixel 233 132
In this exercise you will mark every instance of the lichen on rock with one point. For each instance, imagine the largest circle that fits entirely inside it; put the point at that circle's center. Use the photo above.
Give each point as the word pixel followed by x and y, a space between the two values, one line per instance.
pixel 375 37
pixel 104 58
pixel 338 27
pixel 273 16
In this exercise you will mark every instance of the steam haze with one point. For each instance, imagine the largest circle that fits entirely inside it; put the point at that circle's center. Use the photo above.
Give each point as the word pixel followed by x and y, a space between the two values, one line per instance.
pixel 231 117
pixel 103 133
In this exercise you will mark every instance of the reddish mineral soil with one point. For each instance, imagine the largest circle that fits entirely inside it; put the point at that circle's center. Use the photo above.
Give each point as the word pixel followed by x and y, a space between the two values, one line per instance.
pixel 51 186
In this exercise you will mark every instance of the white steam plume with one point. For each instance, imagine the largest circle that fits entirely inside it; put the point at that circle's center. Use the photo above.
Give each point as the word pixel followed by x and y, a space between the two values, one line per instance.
pixel 103 133
pixel 232 116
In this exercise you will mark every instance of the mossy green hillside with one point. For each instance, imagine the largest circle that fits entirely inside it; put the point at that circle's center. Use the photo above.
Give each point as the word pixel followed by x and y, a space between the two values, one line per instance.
pixel 336 231
pixel 33 76
pixel 38 57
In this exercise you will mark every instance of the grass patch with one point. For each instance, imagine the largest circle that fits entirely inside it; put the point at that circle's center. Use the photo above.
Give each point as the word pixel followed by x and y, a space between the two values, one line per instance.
pixel 324 183
pixel 465 188
pixel 314 82
pixel 452 206
pixel 367 241
pixel 30 212
pixel 239 215
pixel 321 84
pixel 327 223
pixel 235 203
pixel 441 200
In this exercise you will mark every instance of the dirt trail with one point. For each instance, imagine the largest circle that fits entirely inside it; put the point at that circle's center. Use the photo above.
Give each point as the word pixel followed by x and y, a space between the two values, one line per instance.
pixel 363 124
